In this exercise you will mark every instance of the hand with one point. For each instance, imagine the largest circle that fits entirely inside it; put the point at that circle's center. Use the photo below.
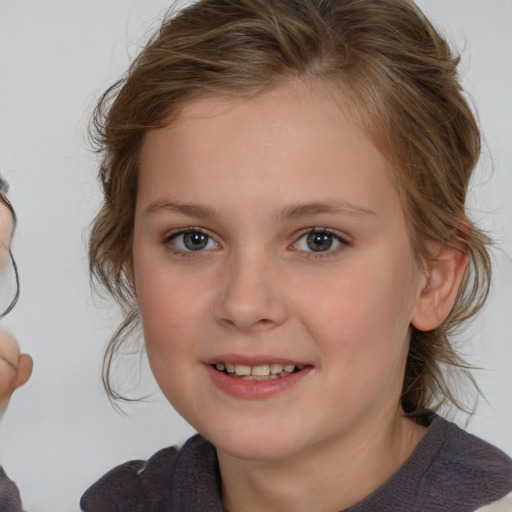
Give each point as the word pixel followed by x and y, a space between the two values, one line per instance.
pixel 15 368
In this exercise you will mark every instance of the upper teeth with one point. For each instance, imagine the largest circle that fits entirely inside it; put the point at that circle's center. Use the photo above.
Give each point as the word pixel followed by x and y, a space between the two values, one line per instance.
pixel 260 370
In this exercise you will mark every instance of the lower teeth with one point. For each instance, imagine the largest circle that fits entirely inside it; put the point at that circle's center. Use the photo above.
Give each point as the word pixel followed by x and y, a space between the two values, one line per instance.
pixel 260 378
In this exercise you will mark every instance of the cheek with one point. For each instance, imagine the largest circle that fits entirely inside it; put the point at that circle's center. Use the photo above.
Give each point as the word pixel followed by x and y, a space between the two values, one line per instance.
pixel 169 307
pixel 169 322
pixel 361 318
pixel 361 301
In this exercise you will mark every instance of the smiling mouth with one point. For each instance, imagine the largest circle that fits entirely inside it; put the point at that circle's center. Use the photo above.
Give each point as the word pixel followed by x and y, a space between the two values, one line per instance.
pixel 260 372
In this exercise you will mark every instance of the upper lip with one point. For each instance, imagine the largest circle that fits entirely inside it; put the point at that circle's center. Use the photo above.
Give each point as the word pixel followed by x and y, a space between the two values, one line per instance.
pixel 252 360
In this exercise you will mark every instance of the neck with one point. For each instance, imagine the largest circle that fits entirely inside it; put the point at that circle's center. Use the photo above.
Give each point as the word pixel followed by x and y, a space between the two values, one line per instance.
pixel 328 477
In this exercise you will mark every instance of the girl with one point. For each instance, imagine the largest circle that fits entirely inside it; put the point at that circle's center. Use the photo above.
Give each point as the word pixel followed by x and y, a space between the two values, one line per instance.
pixel 284 212
pixel 15 368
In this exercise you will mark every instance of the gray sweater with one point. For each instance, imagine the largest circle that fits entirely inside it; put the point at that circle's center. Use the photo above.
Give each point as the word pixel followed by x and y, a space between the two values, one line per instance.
pixel 450 470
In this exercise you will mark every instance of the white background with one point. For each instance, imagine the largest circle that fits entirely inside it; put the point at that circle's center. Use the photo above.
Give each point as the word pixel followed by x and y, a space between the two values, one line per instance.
pixel 56 56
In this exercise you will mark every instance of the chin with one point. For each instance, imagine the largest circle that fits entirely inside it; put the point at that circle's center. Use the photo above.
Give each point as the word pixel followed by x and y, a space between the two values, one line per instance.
pixel 257 442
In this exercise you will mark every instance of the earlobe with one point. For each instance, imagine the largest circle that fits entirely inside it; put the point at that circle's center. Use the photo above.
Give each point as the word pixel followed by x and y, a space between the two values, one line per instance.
pixel 444 276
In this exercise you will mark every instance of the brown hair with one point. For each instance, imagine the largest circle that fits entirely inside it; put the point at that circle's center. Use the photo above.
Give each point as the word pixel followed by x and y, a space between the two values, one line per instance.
pixel 400 78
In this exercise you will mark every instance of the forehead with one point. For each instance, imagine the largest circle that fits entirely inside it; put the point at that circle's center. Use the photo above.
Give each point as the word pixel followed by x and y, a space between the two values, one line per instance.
pixel 294 143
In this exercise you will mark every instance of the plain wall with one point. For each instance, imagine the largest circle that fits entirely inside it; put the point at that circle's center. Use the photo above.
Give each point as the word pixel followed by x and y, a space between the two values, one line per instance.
pixel 56 56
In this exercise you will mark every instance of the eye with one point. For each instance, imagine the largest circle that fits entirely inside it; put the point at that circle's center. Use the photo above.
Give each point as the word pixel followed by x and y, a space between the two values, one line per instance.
pixel 192 240
pixel 319 240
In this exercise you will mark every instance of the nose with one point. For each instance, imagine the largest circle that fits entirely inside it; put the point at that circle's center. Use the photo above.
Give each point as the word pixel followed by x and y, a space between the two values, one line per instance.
pixel 252 295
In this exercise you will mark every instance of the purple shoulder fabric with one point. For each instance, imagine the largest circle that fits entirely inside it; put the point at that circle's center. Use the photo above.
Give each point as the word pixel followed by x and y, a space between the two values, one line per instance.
pixel 10 500
pixel 126 487
pixel 171 481
pixel 449 471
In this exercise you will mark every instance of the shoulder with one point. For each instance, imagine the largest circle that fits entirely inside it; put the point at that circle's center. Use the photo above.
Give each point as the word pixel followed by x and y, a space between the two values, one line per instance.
pixel 143 486
pixel 10 500
pixel 470 457
pixel 450 470
pixel 466 470
pixel 125 487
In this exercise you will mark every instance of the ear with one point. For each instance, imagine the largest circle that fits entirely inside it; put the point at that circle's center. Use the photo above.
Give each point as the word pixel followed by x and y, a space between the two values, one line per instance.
pixel 443 278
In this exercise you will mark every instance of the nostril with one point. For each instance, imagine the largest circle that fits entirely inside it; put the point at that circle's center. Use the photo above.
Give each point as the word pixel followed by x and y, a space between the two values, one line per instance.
pixel 263 322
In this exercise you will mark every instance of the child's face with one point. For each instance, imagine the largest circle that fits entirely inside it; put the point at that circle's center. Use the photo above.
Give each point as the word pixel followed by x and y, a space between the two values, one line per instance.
pixel 268 232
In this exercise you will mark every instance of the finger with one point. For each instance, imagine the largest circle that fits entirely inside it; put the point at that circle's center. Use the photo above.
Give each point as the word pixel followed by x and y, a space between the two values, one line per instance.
pixel 25 366
pixel 8 374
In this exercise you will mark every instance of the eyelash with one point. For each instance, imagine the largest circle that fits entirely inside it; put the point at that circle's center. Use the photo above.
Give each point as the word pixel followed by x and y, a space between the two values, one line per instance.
pixel 328 253
pixel 169 238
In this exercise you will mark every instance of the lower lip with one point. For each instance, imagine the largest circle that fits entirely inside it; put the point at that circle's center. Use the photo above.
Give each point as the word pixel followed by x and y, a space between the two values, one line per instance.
pixel 255 389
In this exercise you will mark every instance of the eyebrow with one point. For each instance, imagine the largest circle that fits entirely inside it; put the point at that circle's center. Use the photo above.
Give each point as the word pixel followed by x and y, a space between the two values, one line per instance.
pixel 296 211
pixel 287 212
pixel 189 209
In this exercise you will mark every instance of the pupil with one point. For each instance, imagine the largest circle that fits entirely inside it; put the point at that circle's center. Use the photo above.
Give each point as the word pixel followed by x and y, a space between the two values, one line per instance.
pixel 195 241
pixel 319 242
